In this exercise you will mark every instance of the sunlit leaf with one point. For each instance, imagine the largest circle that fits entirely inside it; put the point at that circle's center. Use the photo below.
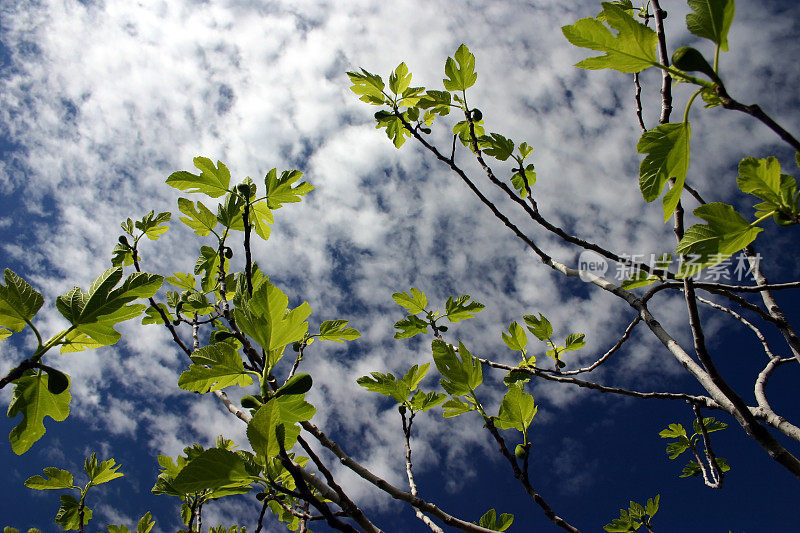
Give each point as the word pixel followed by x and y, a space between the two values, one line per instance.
pixel 212 180
pixel 711 19
pixel 667 149
pixel 632 49
pixel 19 302
pixel 34 401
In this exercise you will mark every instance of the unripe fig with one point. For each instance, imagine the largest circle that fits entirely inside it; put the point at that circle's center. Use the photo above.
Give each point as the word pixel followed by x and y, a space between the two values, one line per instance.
pixel 57 382
pixel 442 328
pixel 243 189
pixel 123 240
pixel 426 131
pixel 250 402
pixel 261 495
pixel 402 409
pixel 296 347
pixel 521 451
pixel 782 219
pixel 297 384
pixel 228 252
pixel 477 116
pixel 690 60
pixel 176 322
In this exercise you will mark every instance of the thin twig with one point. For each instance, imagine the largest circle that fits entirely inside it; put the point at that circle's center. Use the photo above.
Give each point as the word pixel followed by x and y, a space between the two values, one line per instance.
pixel 638 98
pixel 387 487
pixel 705 401
pixel 540 501
pixel 711 458
pixel 666 79
pixel 306 495
pixel 603 358
pixel 756 112
pixel 412 485
pixel 771 303
pixel 347 505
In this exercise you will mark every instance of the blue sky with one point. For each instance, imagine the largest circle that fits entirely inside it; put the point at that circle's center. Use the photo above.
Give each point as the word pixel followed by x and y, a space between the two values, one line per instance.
pixel 101 101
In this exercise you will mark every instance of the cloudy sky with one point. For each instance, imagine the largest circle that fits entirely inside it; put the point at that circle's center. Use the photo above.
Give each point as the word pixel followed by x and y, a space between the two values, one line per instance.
pixel 101 100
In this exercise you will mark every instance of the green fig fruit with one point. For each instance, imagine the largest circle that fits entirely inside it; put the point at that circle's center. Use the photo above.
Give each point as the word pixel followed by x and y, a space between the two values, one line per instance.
pixel 57 381
pixel 243 189
pixel 521 451
pixel 782 219
pixel 689 59
pixel 297 384
pixel 228 252
pixel 250 402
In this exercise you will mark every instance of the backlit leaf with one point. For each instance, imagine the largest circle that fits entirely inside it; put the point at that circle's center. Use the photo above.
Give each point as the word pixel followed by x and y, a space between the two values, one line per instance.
pixel 460 71
pixel 282 190
pixel 667 149
pixel 55 479
pixel 19 302
pixel 632 49
pixel 215 367
pixel 34 401
pixel 711 19
pixel 415 301
pixel 212 180
pixel 462 308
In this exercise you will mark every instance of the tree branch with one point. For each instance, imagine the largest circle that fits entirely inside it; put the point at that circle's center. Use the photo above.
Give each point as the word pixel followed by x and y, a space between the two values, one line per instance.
pixel 387 487
pixel 412 485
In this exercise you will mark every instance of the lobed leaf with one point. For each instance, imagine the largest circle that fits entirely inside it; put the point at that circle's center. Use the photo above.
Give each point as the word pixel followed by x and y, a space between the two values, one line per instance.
pixel 490 520
pixel 266 318
pixel 199 217
pixel 151 224
pixel 34 401
pixel 19 302
pixel 516 410
pixel 574 342
pixel 633 49
pixel 261 217
pixel 56 479
pixel 667 149
pixel 461 372
pixel 368 86
pixel 410 326
pixel 422 401
pixel 460 71
pixel 286 411
pixel 213 469
pixel 282 190
pixel 727 232
pixel 414 303
pixel 454 407
pixel 215 367
pixel 337 330
pixel 386 384
pixel 400 79
pixel 461 308
pixel 540 327
pixel 100 473
pixel 212 180
pixel 711 19
pixel 516 338
pixel 67 516
pixel 497 146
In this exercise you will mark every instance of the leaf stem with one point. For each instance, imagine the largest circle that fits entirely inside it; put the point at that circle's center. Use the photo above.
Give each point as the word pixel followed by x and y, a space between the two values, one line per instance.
pixel 689 105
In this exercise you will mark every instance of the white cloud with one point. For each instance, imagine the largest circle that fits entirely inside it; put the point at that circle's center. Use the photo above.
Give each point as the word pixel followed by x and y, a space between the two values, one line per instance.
pixel 102 102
